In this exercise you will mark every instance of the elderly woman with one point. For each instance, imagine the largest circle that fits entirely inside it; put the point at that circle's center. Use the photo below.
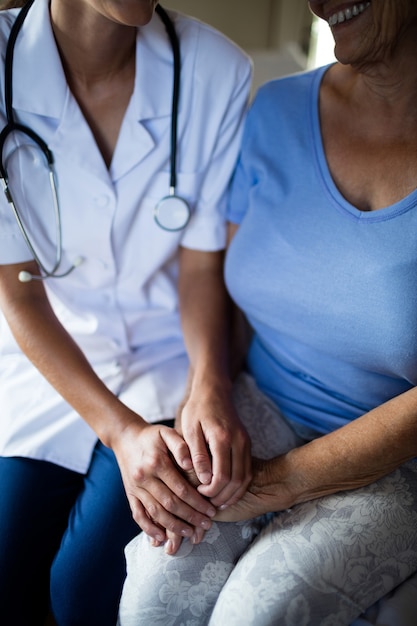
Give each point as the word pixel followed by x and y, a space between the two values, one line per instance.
pixel 323 263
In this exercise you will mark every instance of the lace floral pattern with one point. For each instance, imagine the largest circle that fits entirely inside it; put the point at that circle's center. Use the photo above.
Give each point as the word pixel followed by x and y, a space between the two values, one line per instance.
pixel 181 589
pixel 320 564
pixel 324 562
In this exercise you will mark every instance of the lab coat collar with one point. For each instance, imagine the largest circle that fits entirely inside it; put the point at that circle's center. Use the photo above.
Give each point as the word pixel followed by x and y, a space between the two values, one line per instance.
pixel 41 88
pixel 152 97
pixel 44 89
pixel 154 71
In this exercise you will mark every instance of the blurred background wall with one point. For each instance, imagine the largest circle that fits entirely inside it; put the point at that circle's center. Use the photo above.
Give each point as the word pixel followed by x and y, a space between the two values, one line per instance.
pixel 280 35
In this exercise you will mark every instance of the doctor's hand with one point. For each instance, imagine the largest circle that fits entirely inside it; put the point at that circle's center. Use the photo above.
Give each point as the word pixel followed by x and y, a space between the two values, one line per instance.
pixel 151 459
pixel 173 542
pixel 219 444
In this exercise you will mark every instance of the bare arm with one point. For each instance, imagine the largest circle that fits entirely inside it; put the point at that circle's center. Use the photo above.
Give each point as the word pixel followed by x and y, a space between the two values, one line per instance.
pixel 353 456
pixel 219 445
pixel 154 487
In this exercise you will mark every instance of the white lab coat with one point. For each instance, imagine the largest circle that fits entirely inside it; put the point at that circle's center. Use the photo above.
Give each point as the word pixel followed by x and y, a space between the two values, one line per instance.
pixel 121 304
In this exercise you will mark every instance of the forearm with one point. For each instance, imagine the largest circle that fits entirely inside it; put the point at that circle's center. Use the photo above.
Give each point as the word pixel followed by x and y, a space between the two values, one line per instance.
pixel 149 456
pixel 218 443
pixel 356 455
pixel 205 315
pixel 58 358
pixel 353 456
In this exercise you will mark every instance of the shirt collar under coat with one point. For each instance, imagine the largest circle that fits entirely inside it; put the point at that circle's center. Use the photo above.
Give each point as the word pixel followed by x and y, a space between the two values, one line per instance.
pixel 44 90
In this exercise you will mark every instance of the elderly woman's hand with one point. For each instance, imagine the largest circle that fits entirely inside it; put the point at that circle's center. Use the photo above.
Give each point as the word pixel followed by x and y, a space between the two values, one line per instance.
pixel 269 491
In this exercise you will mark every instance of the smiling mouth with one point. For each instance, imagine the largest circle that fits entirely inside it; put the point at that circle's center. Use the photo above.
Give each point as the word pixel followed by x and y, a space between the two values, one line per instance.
pixel 348 14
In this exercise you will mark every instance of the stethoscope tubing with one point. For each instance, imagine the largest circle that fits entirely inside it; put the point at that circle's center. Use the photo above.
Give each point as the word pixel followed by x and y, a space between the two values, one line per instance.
pixel 175 45
pixel 13 126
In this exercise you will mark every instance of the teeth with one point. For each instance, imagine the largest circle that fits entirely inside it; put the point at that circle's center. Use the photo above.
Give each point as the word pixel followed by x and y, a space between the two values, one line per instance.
pixel 348 14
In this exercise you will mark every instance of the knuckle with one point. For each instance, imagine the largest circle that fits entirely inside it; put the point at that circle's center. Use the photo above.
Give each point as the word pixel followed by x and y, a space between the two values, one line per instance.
pixel 181 490
pixel 138 475
pixel 155 463
pixel 152 467
pixel 200 459
pixel 225 438
pixel 193 519
pixel 173 526
pixel 152 510
pixel 168 503
pixel 181 446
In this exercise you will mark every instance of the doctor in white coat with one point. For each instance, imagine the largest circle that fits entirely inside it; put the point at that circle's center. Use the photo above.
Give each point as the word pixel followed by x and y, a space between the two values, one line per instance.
pixel 93 364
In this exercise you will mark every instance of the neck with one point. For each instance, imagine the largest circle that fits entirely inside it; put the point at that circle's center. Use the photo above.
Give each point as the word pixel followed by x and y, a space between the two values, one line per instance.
pixel 93 48
pixel 388 85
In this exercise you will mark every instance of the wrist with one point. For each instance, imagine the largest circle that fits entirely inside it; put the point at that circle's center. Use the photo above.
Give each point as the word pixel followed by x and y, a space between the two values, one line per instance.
pixel 117 424
pixel 274 480
pixel 209 383
pixel 303 473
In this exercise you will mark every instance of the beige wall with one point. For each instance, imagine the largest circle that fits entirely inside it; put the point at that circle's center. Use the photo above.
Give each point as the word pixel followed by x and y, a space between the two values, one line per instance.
pixel 276 33
pixel 253 24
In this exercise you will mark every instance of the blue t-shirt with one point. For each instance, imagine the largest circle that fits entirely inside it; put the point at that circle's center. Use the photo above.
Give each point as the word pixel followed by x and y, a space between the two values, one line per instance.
pixel 330 291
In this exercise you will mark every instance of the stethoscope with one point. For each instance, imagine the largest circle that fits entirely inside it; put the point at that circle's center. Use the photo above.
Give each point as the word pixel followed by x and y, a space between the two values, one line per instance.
pixel 171 213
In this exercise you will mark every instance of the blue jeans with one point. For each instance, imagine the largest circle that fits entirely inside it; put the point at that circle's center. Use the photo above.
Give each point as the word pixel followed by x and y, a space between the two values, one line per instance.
pixel 62 536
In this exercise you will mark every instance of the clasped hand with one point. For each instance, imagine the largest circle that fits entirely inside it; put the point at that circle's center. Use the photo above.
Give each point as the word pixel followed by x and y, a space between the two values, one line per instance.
pixel 152 460
pixel 176 481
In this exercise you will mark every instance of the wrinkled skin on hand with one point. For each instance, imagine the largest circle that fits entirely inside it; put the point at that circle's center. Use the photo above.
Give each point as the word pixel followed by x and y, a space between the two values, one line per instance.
pixel 265 494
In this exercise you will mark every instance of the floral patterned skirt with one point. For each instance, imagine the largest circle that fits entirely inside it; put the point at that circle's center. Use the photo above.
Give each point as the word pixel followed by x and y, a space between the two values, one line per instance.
pixel 321 563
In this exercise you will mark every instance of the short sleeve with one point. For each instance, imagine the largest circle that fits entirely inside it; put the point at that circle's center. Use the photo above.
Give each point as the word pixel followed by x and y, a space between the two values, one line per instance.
pixel 220 105
pixel 243 178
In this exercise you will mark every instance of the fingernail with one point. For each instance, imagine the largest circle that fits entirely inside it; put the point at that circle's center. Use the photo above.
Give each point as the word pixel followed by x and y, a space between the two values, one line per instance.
pixel 211 512
pixel 205 478
pixel 168 546
pixel 186 532
pixel 205 524
pixel 222 507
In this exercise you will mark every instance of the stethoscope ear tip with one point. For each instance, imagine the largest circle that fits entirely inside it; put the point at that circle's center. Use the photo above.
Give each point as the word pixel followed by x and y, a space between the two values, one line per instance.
pixel 25 277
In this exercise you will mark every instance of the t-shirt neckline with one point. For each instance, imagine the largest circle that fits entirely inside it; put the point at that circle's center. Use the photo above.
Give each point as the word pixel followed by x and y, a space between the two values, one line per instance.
pixel 332 190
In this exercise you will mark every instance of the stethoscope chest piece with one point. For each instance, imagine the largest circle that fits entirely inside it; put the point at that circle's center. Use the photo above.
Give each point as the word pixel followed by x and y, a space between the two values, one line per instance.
pixel 172 213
